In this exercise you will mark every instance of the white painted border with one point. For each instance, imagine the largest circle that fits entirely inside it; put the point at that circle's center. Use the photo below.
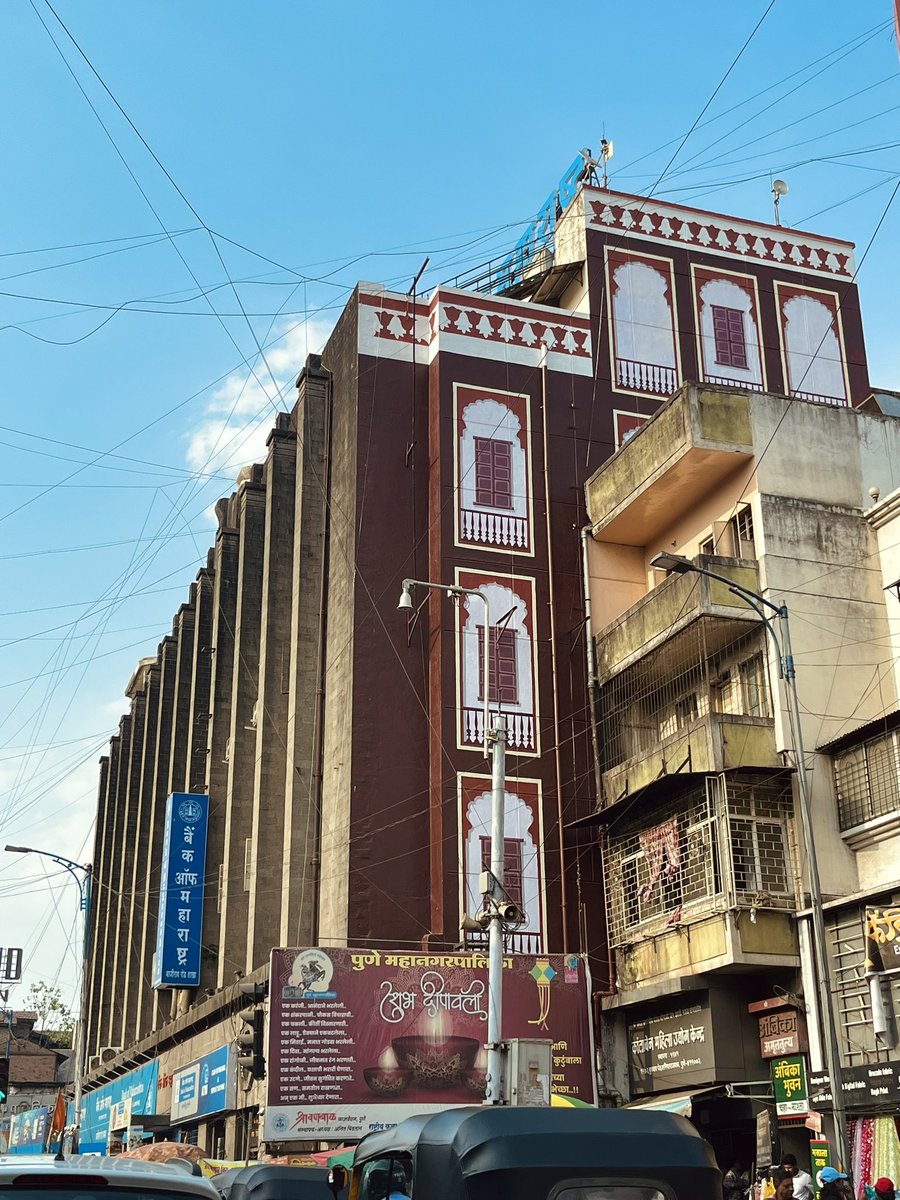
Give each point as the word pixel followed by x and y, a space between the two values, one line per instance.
pixel 511 782
pixel 489 577
pixel 457 481
pixel 627 252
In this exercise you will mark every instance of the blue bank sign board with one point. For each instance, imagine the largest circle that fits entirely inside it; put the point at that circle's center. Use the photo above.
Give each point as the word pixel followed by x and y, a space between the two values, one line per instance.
pixel 205 1086
pixel 135 1092
pixel 177 960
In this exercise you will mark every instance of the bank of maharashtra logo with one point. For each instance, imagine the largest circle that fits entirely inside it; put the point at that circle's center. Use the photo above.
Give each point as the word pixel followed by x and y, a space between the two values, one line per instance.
pixel 189 811
pixel 310 977
pixel 280 1124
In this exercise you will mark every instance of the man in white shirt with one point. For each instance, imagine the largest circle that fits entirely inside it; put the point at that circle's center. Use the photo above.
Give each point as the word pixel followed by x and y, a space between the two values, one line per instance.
pixel 803 1183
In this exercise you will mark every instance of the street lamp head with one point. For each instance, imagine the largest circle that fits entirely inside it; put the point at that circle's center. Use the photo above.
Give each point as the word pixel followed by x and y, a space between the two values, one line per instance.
pixel 18 849
pixel 406 600
pixel 674 563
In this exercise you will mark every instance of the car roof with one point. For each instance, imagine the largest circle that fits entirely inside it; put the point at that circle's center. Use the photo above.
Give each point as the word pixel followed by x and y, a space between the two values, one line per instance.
pixel 125 1172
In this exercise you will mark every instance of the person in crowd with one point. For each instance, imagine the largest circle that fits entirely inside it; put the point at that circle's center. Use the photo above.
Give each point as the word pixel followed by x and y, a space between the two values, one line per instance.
pixel 884 1189
pixel 835 1185
pixel 784 1184
pixel 803 1183
pixel 735 1183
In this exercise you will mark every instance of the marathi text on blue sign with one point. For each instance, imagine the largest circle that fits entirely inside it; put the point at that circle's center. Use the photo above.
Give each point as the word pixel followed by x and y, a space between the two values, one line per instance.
pixel 178 932
pixel 205 1086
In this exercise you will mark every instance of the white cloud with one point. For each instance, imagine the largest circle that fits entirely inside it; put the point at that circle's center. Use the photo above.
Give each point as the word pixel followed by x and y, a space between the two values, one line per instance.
pixel 240 412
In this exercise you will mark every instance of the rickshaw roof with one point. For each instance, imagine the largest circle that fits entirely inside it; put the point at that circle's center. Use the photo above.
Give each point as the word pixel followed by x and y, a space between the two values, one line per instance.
pixel 276 1182
pixel 491 1139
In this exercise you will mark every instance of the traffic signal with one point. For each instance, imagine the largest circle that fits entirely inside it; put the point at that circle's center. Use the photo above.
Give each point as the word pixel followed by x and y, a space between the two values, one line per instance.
pixel 250 1040
pixel 4 1078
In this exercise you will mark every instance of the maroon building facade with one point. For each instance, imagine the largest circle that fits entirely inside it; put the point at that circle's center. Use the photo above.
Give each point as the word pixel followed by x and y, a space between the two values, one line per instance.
pixel 446 439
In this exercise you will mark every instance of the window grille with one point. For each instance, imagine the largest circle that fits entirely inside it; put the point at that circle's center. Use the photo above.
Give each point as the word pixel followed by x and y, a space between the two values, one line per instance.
pixel 728 332
pixel 728 841
pixel 867 780
pixel 697 671
pixel 743 527
pixel 844 935
pixel 493 472
pixel 503 681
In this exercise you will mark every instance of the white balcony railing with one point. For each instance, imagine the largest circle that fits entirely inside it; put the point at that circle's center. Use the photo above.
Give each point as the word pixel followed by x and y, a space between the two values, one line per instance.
pixel 646 377
pixel 493 529
pixel 513 943
pixel 519 729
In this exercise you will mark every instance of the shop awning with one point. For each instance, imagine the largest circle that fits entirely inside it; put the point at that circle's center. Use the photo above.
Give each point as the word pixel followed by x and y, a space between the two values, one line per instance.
pixel 675 1102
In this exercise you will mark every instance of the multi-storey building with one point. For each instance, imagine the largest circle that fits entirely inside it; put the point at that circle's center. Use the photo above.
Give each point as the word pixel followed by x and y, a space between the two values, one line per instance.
pixel 707 891
pixel 446 439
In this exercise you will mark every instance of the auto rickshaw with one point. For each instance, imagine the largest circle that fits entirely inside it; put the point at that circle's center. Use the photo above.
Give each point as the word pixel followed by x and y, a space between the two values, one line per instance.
pixel 534 1154
pixel 264 1181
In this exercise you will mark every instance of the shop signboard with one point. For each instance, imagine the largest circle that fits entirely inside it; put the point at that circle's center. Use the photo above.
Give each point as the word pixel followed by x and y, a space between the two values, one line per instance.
pixel 672 1049
pixel 361 1039
pixel 205 1086
pixel 789 1086
pixel 136 1090
pixel 176 963
pixel 28 1131
pixel 819 1158
pixel 863 1085
pixel 763 1138
pixel 781 1033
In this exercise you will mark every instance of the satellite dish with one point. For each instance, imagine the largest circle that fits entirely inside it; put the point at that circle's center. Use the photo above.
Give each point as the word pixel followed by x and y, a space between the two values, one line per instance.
pixel 780 188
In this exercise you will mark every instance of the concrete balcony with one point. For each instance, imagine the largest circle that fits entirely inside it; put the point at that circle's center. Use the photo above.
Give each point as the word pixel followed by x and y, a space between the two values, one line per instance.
pixel 734 941
pixel 712 744
pixel 670 607
pixel 698 439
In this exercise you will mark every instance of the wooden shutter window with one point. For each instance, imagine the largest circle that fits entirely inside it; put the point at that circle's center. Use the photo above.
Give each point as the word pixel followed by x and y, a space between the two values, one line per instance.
pixel 493 473
pixel 512 866
pixel 503 681
pixel 728 331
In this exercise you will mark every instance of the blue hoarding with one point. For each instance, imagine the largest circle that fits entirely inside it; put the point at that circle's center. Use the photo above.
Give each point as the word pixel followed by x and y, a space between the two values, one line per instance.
pixel 205 1086
pixel 28 1131
pixel 137 1086
pixel 177 961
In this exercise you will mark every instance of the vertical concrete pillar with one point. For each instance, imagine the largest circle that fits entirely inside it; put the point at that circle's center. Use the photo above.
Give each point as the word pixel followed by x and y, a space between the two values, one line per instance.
pixel 241 750
pixel 198 734
pixel 111 882
pixel 268 825
pixel 146 933
pixel 306 684
pixel 183 630
pixel 140 859
pixel 226 554
pixel 99 901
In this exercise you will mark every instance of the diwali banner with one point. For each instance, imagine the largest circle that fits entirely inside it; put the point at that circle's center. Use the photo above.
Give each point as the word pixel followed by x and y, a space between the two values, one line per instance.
pixel 361 1039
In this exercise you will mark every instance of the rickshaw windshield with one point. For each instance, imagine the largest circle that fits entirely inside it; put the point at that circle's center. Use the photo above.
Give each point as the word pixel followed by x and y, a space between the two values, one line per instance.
pixel 389 1178
pixel 611 1191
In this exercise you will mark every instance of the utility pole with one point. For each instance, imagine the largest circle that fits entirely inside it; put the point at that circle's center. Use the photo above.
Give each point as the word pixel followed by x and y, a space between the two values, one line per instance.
pixel 495 749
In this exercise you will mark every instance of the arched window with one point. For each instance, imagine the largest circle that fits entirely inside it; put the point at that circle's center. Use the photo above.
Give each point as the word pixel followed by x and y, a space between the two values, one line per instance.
pixel 643 327
pixel 815 364
pixel 494 485
pixel 729 335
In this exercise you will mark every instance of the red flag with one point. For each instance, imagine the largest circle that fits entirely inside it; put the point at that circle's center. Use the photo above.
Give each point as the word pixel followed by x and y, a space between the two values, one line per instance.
pixel 58 1124
pixel 897 23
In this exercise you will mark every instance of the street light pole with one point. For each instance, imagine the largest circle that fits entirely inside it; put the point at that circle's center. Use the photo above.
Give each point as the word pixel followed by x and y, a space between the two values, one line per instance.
pixel 82 873
pixel 677 564
pixel 495 749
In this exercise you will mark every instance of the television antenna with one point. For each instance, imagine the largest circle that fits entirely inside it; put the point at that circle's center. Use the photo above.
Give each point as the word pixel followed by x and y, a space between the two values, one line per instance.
pixel 779 189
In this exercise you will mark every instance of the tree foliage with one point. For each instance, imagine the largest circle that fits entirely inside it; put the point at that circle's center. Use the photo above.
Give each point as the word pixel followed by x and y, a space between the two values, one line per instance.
pixel 54 1015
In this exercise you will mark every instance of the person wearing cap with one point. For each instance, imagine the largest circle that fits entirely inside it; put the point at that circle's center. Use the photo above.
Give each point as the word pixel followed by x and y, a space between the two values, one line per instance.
pixel 834 1184
pixel 884 1189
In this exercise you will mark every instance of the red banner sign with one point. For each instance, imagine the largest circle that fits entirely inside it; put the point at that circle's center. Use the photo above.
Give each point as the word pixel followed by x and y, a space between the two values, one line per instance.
pixel 361 1039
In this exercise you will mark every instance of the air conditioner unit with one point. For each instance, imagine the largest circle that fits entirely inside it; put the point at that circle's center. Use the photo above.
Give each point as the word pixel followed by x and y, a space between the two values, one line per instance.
pixel 108 1052
pixel 93 1061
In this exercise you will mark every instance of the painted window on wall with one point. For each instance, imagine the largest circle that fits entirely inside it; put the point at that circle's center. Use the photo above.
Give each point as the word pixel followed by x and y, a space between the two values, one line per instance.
pixel 503 676
pixel 728 328
pixel 626 425
pixel 812 343
pixel 493 473
pixel 643 324
pixel 511 682
pixel 523 866
pixel 493 470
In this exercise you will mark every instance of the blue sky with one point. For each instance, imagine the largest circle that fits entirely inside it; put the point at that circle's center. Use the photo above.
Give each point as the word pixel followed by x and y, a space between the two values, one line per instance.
pixel 320 144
